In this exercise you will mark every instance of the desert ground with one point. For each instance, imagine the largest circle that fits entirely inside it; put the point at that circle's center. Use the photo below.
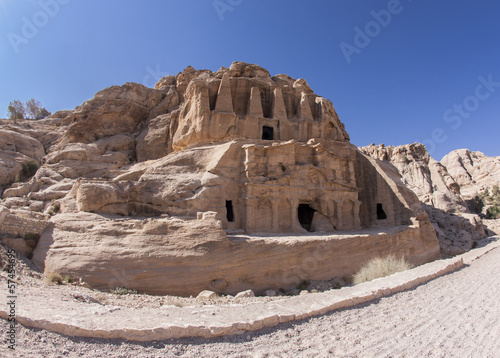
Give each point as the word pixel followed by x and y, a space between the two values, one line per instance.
pixel 456 315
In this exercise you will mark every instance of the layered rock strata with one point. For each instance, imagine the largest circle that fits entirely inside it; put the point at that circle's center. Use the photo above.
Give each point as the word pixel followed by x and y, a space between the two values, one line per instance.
pixel 440 189
pixel 231 178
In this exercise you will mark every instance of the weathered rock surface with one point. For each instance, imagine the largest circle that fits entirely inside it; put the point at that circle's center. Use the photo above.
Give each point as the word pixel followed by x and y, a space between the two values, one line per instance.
pixel 473 171
pixel 206 295
pixel 247 293
pixel 439 191
pixel 16 150
pixel 228 180
pixel 457 233
pixel 186 256
pixel 425 176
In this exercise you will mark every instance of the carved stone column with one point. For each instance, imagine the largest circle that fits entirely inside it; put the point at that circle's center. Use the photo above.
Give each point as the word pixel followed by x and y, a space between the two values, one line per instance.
pixel 276 205
pixel 294 206
pixel 255 103
pixel 357 221
pixel 331 213
pixel 339 207
pixel 250 214
pixel 224 102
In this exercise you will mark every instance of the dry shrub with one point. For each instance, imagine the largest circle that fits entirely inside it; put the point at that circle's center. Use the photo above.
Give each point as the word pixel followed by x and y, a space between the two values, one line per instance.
pixel 380 267
pixel 124 291
pixel 54 278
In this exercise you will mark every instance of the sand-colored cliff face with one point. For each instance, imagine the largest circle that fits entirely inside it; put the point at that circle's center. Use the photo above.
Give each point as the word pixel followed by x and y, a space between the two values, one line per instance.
pixel 444 188
pixel 184 256
pixel 231 179
pixel 425 176
pixel 473 171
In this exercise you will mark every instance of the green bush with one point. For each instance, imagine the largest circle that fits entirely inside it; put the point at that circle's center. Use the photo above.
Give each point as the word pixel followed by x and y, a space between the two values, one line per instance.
pixel 54 208
pixel 380 267
pixel 494 212
pixel 486 198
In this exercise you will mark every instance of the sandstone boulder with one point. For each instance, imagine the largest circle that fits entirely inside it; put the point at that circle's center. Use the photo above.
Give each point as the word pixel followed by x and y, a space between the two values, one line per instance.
pixel 457 233
pixel 473 171
pixel 206 295
pixel 19 143
pixel 245 294
pixel 16 151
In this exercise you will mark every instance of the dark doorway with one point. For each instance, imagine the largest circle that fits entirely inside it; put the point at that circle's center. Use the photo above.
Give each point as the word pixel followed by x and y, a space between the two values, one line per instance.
pixel 381 215
pixel 267 133
pixel 306 214
pixel 229 211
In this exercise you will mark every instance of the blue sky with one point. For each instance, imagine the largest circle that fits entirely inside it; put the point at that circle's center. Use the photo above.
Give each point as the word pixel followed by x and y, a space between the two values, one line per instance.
pixel 396 71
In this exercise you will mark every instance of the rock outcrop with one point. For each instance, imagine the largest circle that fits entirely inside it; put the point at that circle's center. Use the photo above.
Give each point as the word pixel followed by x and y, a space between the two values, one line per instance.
pixel 439 190
pixel 16 151
pixel 425 176
pixel 222 181
pixel 185 256
pixel 473 171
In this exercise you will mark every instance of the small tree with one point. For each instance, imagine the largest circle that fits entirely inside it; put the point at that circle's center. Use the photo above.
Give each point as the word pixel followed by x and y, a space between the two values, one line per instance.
pixel 486 199
pixel 35 109
pixel 44 113
pixel 494 209
pixel 16 110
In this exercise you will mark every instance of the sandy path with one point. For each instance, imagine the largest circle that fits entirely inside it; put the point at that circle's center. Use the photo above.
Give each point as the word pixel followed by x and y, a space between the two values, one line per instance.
pixel 457 315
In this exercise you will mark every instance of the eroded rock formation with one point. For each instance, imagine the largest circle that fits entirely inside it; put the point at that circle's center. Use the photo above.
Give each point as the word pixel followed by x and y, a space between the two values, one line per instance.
pixel 473 171
pixel 440 189
pixel 233 177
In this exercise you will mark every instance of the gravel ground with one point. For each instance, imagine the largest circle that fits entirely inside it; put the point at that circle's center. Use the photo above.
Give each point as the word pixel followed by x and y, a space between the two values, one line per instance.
pixel 457 315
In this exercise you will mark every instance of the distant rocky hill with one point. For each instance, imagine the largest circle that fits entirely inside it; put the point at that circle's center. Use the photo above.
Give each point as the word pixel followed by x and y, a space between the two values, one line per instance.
pixel 473 171
pixel 445 188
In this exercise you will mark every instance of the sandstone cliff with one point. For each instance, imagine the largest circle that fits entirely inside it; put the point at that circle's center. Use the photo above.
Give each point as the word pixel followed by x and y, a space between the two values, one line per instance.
pixel 473 171
pixel 223 180
pixel 441 186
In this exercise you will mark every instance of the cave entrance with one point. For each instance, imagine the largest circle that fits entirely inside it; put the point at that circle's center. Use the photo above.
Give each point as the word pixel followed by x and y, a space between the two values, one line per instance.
pixel 381 215
pixel 306 214
pixel 267 133
pixel 229 211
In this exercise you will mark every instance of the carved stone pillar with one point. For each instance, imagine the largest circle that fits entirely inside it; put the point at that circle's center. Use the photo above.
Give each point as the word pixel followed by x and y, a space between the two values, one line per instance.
pixel 305 108
pixel 250 214
pixel 331 212
pixel 224 102
pixel 339 207
pixel 357 221
pixel 294 207
pixel 276 205
pixel 249 163
pixel 255 103
pixel 279 109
